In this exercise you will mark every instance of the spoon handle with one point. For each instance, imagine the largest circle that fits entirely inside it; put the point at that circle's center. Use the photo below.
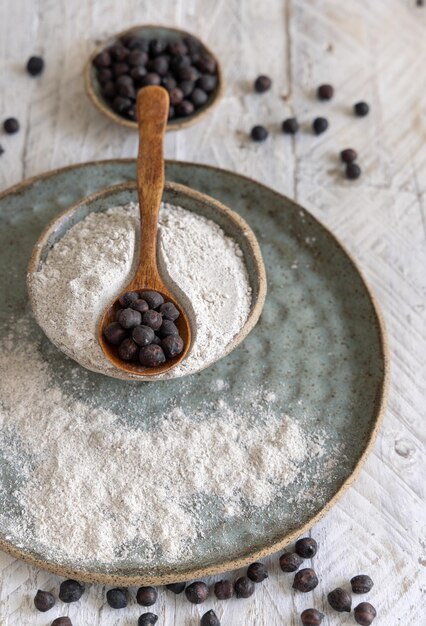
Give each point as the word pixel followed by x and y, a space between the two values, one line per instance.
pixel 152 113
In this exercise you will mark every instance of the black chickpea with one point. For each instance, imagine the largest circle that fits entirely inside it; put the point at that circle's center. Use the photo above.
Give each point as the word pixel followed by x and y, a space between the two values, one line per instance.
pixel 290 126
pixel 70 591
pixel 117 598
pixel 259 133
pixel 146 596
pixel 35 66
pixel 244 587
pixel 210 619
pixel 311 617
pixel 361 583
pixel 290 562
pixel 305 580
pixel 364 613
pixel 353 171
pixel 224 589
pixel 340 600
pixel 147 619
pixel 44 601
pixel 306 547
pixel 176 587
pixel 325 92
pixel 61 621
pixel 262 83
pixel 257 572
pixel 348 155
pixel 197 592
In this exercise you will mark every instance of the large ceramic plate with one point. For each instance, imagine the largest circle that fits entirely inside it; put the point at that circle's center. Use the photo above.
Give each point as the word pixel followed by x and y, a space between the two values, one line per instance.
pixel 319 351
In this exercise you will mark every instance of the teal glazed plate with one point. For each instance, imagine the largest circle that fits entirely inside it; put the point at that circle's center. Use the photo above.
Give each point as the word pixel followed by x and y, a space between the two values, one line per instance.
pixel 319 350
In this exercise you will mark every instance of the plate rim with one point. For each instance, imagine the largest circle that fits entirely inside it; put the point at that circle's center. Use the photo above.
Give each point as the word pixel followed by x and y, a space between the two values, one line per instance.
pixel 91 576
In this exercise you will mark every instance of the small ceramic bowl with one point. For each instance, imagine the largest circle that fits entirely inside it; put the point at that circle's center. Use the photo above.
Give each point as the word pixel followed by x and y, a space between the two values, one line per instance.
pixel 149 31
pixel 231 223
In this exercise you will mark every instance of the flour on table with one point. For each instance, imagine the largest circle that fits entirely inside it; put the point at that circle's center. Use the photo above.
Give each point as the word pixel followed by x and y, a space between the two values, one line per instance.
pixel 92 488
pixel 95 260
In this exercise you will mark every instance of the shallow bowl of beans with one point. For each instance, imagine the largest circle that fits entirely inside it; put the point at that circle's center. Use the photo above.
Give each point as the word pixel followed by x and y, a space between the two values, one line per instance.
pixel 154 55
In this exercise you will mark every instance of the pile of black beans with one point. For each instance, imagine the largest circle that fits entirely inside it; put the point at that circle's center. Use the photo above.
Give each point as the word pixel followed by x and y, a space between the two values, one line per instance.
pixel 181 66
pixel 145 331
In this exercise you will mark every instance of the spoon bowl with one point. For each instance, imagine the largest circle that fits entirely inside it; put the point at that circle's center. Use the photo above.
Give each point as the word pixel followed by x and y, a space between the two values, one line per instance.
pixel 131 367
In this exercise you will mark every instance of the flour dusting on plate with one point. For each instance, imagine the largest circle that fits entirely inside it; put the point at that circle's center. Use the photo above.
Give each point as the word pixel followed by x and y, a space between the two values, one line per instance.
pixel 93 488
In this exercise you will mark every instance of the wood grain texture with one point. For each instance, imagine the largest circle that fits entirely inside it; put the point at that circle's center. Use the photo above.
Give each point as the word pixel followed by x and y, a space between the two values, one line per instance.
pixel 152 111
pixel 369 50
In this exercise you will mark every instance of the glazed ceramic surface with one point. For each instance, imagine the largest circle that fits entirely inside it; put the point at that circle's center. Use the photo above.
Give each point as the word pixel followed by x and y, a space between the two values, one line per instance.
pixel 318 348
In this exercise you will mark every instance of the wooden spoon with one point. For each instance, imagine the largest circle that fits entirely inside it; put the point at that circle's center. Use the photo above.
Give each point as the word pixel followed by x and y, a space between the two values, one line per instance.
pixel 152 112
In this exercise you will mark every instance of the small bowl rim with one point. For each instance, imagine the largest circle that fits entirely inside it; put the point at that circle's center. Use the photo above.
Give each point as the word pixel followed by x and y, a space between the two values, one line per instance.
pixel 183 122
pixel 257 277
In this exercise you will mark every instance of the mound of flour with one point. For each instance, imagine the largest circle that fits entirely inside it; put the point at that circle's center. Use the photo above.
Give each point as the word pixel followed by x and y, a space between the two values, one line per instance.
pixel 89 486
pixel 96 258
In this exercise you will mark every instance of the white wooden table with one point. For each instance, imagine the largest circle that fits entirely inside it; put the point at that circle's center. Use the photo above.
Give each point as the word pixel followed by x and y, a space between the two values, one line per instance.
pixel 369 50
